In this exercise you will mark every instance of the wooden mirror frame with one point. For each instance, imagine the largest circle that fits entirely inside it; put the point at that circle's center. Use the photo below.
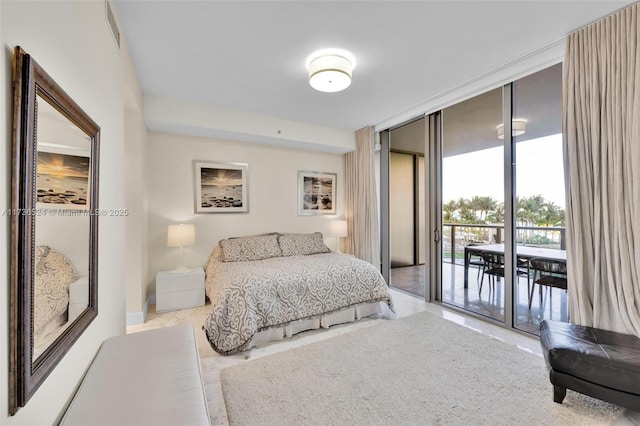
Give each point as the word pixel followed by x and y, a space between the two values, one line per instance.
pixel 26 374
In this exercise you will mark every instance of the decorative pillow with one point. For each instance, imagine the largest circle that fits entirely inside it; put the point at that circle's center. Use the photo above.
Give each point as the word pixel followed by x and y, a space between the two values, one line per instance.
pixel 216 254
pixel 242 249
pixel 302 244
pixel 54 274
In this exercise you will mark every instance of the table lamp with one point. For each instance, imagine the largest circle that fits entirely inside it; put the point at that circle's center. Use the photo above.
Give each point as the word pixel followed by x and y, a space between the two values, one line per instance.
pixel 182 235
pixel 338 230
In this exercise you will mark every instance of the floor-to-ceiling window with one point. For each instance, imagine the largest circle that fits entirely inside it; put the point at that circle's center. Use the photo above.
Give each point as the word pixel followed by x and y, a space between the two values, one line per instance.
pixel 502 203
pixel 495 204
pixel 540 199
pixel 472 203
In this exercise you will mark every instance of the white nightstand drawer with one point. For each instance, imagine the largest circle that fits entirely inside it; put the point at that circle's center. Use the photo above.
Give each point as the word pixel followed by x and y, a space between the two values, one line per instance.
pixel 179 300
pixel 167 282
pixel 179 291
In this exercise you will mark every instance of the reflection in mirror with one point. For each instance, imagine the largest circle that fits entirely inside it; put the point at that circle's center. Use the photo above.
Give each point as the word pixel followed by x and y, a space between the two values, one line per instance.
pixel 61 286
pixel 54 227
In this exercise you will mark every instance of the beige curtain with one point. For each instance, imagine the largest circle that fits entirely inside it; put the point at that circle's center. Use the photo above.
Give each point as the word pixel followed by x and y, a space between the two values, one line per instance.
pixel 601 127
pixel 361 201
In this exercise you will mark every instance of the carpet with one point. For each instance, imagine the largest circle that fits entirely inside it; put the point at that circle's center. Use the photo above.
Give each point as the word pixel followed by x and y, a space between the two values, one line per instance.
pixel 421 369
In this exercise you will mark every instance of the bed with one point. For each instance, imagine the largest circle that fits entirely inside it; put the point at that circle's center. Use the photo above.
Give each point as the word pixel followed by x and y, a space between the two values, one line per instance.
pixel 60 295
pixel 266 287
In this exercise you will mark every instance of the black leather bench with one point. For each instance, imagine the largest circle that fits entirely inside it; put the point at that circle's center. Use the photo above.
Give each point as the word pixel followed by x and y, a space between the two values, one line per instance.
pixel 599 363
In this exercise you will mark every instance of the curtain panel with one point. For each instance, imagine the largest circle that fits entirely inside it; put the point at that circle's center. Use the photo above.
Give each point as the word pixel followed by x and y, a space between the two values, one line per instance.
pixel 361 201
pixel 601 131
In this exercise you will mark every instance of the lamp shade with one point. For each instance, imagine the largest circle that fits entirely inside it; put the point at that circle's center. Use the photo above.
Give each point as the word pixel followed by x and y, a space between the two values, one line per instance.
pixel 330 70
pixel 518 127
pixel 339 228
pixel 181 235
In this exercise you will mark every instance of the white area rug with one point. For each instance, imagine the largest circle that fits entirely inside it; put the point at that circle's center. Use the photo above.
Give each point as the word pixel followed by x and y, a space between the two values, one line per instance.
pixel 416 370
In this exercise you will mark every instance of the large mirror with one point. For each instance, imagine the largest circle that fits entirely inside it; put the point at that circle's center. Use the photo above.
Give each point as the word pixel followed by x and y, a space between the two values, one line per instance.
pixel 54 227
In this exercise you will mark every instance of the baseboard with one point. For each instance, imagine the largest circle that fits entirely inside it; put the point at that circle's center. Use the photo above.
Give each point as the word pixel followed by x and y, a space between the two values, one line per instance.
pixel 140 317
pixel 135 318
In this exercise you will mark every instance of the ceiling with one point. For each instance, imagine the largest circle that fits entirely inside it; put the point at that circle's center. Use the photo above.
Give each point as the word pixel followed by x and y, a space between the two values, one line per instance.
pixel 250 55
pixel 471 125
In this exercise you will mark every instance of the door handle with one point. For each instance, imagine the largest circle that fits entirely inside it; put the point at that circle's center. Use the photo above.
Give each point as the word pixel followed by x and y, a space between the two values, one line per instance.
pixel 436 236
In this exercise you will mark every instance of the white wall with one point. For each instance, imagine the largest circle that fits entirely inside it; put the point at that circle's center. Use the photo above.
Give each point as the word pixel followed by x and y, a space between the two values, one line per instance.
pixel 172 115
pixel 73 245
pixel 136 222
pixel 272 182
pixel 135 169
pixel 71 41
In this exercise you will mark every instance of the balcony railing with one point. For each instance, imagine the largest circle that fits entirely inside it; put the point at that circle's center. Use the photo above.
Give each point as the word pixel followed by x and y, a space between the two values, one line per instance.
pixel 456 236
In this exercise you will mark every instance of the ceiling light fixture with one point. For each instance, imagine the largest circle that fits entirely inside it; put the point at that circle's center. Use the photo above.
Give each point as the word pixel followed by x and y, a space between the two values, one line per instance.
pixel 518 127
pixel 330 70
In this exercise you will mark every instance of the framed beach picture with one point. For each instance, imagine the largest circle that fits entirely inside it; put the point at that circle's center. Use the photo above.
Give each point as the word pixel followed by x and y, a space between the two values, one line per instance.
pixel 62 177
pixel 221 187
pixel 316 193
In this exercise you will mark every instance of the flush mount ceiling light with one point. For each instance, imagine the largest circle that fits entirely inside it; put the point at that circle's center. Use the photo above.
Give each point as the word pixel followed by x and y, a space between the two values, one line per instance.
pixel 518 127
pixel 330 70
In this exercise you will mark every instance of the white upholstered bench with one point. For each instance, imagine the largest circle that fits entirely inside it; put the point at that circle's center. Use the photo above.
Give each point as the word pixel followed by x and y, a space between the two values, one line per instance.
pixel 147 378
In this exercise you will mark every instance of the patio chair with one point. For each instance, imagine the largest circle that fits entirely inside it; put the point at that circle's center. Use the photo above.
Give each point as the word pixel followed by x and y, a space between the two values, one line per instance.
pixel 475 259
pixel 524 271
pixel 493 267
pixel 547 272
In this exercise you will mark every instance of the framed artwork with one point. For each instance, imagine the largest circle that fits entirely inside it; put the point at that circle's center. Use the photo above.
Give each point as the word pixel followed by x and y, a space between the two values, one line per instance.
pixel 62 177
pixel 221 187
pixel 316 193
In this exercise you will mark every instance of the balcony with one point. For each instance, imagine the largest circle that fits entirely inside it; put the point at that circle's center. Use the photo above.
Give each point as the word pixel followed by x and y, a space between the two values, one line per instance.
pixel 489 301
pixel 476 234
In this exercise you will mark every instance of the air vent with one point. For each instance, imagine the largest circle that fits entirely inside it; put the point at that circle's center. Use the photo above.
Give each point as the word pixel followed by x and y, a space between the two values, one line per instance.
pixel 111 20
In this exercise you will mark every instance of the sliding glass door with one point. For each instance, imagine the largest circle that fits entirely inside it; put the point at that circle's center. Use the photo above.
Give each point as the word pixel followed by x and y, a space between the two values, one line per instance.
pixel 501 205
pixel 540 291
pixel 472 203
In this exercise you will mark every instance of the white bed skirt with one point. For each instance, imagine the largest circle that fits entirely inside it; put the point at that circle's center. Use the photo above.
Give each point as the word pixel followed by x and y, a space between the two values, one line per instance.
pixel 350 314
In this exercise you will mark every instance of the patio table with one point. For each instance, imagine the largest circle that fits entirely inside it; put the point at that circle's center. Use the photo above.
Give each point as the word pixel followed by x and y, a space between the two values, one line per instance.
pixel 522 252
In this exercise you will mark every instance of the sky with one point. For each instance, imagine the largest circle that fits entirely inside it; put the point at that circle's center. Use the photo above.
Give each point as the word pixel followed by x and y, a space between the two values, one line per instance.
pixel 220 177
pixel 62 165
pixel 539 170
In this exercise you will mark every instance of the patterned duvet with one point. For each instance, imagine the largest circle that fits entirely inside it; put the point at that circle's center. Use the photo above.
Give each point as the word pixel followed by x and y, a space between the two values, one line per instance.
pixel 54 275
pixel 247 297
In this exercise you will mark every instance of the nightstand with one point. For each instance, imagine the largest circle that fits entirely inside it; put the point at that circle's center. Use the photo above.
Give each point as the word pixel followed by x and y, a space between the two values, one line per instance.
pixel 179 291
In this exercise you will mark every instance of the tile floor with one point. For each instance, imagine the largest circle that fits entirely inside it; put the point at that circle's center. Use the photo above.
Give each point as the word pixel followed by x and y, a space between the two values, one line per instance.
pixel 488 302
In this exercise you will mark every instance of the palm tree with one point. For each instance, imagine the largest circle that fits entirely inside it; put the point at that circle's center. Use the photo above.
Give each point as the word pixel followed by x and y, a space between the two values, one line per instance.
pixel 497 215
pixel 532 211
pixel 466 215
pixel 549 213
pixel 528 209
pixel 475 205
pixel 448 211
pixel 486 206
